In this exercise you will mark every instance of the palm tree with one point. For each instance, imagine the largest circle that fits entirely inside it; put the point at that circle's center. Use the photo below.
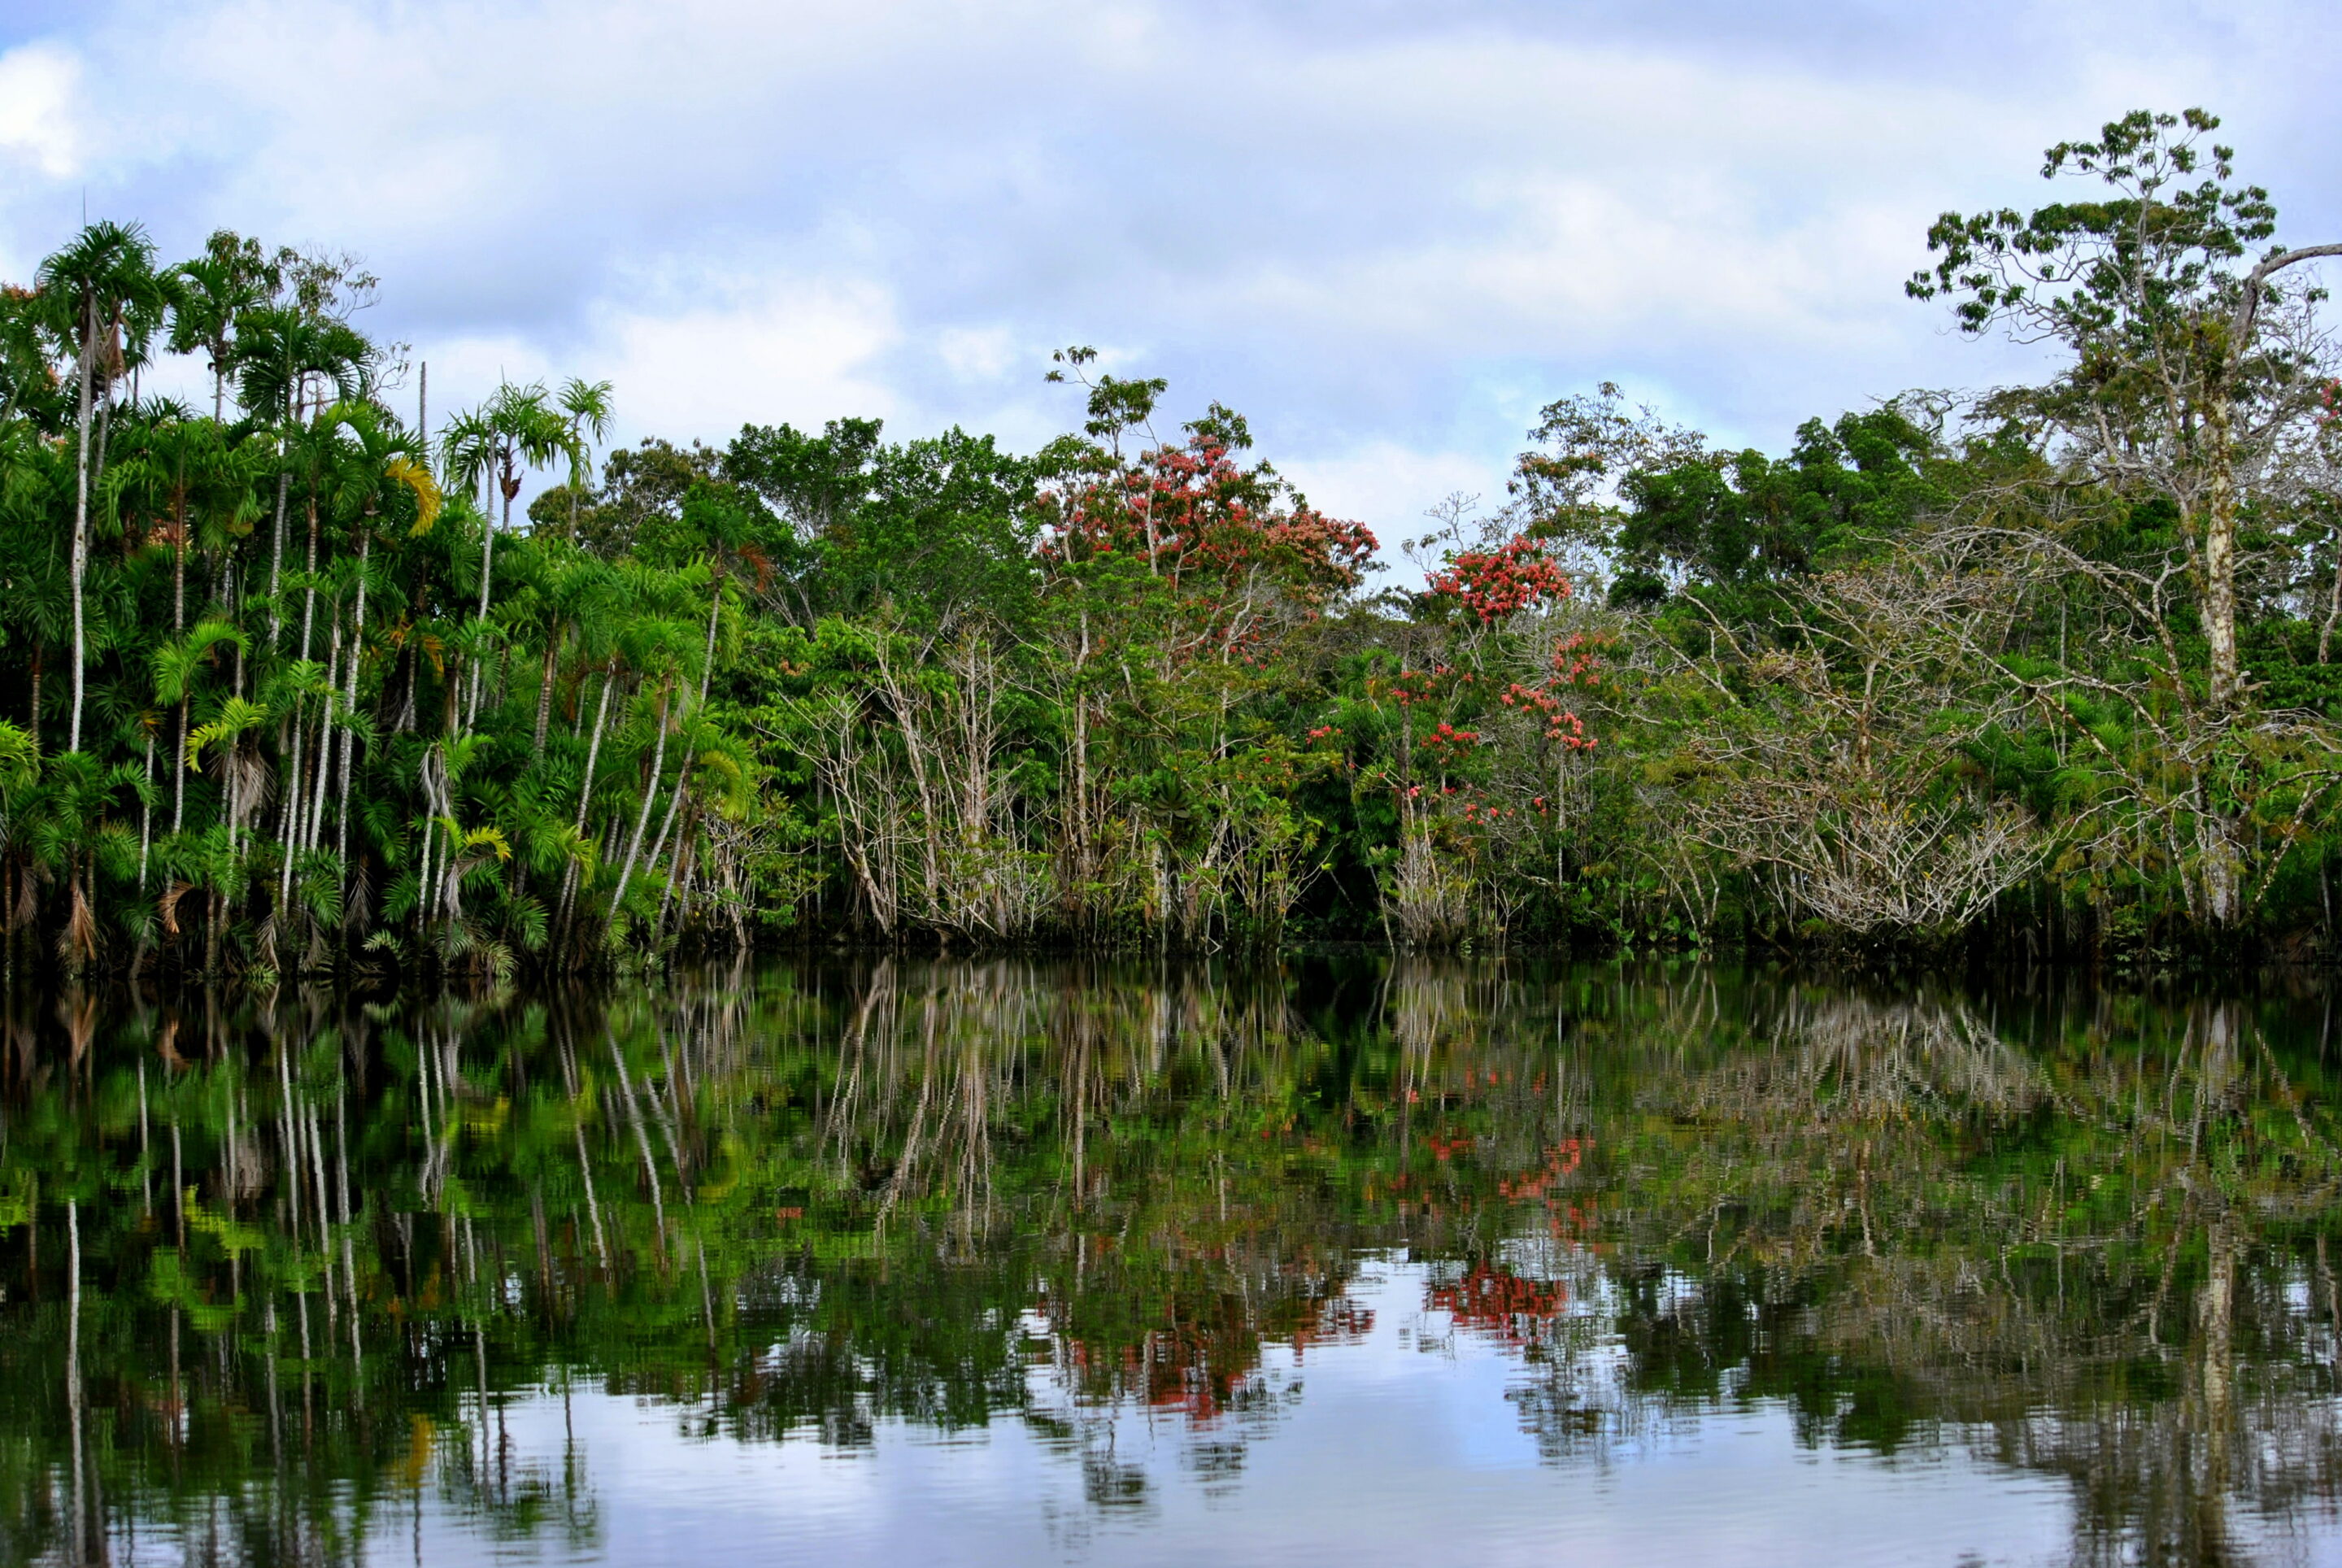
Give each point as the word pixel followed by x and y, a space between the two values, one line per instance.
pixel 277 351
pixel 177 466
pixel 660 645
pixel 208 296
pixel 729 531
pixel 176 664
pixel 382 476
pixel 587 405
pixel 104 302
pixel 514 431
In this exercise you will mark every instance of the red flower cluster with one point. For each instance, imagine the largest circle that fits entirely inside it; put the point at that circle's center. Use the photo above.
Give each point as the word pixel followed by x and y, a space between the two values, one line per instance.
pixel 1573 663
pixel 1561 724
pixel 1213 531
pixel 1494 584
pixel 1448 735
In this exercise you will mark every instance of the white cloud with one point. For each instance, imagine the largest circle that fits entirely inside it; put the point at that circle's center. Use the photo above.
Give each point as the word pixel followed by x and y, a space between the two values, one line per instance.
pixel 1386 233
pixel 1381 479
pixel 38 101
pixel 696 353
pixel 980 353
pixel 769 350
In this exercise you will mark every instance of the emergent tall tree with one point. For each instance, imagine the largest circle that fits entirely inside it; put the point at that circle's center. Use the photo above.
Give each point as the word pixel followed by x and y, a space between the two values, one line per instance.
pixel 2190 371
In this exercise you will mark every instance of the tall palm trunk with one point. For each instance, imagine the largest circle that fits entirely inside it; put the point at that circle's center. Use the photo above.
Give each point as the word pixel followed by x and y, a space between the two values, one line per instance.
pixel 316 830
pixel 277 559
pixel 146 816
pixel 309 594
pixel 658 845
pixel 179 629
pixel 715 608
pixel 487 563
pixel 350 680
pixel 585 785
pixel 678 877
pixel 179 770
pixel 544 687
pixel 89 374
pixel 288 828
pixel 179 566
pixel 642 816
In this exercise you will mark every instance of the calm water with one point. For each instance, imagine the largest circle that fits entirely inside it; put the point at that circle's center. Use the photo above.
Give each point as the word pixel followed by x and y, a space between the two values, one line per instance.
pixel 1346 1262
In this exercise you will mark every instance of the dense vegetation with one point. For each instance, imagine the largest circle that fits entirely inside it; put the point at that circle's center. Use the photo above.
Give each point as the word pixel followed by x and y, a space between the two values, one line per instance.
pixel 289 687
pixel 276 1266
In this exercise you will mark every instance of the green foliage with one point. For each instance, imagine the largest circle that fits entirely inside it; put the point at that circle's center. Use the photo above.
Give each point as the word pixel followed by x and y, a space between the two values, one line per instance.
pixel 292 687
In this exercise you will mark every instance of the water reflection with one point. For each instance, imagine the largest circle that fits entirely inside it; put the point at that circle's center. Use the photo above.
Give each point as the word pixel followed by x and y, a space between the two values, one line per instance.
pixel 330 1279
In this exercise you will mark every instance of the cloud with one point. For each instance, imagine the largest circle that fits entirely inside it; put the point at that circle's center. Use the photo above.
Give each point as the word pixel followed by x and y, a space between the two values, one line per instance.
pixel 1387 232
pixel 697 352
pixel 765 349
pixel 39 91
pixel 1395 484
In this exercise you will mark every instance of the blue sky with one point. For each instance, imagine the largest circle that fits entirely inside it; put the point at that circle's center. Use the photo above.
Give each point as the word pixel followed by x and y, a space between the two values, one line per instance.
pixel 1387 233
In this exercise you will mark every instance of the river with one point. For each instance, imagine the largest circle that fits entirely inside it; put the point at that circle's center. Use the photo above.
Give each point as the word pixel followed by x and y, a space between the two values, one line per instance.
pixel 1346 1260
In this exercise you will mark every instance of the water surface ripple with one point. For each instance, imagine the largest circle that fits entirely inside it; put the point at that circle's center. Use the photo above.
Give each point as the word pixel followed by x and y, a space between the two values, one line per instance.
pixel 1346 1261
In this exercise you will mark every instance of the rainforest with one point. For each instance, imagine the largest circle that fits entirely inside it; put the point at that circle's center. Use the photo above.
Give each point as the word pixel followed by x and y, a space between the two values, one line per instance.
pixel 296 681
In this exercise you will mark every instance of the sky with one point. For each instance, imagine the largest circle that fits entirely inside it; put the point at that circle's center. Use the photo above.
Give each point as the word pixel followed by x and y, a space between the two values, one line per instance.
pixel 1386 233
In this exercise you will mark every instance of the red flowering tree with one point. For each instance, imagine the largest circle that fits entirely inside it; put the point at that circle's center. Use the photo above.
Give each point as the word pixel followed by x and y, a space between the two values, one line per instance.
pixel 1495 584
pixel 1463 743
pixel 1176 572
pixel 1230 551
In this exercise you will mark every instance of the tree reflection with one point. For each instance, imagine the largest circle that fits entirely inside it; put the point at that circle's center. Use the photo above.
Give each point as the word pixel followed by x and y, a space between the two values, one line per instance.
pixel 2103 1257
pixel 275 1269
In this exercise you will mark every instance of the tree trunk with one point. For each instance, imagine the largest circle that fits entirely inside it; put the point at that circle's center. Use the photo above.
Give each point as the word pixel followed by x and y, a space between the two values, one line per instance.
pixel 146 817
pixel 586 787
pixel 594 747
pixel 545 688
pixel 316 830
pixel 81 513
pixel 658 845
pixel 2220 559
pixel 309 594
pixel 277 559
pixel 488 558
pixel 179 772
pixel 715 608
pixel 289 828
pixel 350 680
pixel 2333 605
pixel 179 569
pixel 642 816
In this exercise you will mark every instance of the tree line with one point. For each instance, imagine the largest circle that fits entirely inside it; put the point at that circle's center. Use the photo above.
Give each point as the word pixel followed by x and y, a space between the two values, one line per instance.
pixel 289 687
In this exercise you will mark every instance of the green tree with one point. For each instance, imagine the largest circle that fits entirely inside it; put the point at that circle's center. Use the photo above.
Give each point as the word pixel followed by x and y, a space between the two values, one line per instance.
pixel 2190 364
pixel 105 302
